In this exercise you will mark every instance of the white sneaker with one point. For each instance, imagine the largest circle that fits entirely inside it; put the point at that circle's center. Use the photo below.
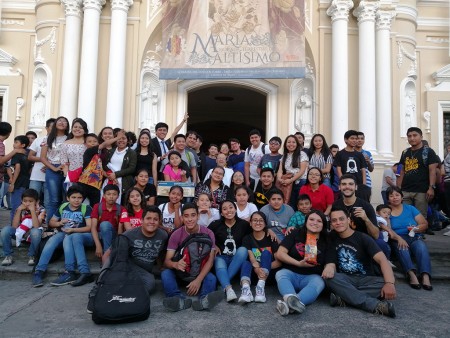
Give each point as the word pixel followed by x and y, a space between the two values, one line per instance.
pixel 7 261
pixel 231 295
pixel 246 295
pixel 260 296
pixel 282 308
pixel 31 260
pixel 447 233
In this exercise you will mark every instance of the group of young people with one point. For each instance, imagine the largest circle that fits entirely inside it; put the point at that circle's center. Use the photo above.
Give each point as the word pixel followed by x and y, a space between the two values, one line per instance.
pixel 301 219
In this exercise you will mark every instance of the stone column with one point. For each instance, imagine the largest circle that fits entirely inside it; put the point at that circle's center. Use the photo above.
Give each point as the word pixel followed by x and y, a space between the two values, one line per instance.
pixel 89 61
pixel 71 59
pixel 338 11
pixel 383 82
pixel 365 13
pixel 116 70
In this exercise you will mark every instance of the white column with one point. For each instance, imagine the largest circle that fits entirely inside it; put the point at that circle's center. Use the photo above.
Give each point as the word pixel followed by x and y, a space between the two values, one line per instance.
pixel 116 71
pixel 383 83
pixel 71 60
pixel 338 11
pixel 365 13
pixel 89 61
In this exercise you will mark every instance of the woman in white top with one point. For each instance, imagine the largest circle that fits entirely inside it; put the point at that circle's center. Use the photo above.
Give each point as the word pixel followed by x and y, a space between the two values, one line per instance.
pixel 51 158
pixel 206 213
pixel 171 211
pixel 222 162
pixel 72 150
pixel 292 170
pixel 244 208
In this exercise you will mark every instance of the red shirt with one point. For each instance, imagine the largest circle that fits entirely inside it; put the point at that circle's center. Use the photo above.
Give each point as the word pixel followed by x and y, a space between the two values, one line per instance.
pixel 135 221
pixel 110 216
pixel 321 198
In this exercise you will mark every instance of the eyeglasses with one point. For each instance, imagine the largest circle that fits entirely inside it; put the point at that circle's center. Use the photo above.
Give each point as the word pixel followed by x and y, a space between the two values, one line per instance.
pixel 256 220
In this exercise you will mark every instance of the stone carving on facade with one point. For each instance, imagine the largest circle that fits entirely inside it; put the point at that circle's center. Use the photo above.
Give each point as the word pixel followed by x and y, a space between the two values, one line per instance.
pixel 40 103
pixel 408 115
pixel 121 5
pixel 412 72
pixel 152 90
pixel 339 9
pixel 304 116
pixel 366 11
pixel 427 118
pixel 20 102
pixel 72 7
pixel 51 37
pixel 384 18
pixel 94 4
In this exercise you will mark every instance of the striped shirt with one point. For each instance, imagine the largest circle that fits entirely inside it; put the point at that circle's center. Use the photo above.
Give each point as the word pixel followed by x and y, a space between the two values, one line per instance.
pixel 319 162
pixel 368 179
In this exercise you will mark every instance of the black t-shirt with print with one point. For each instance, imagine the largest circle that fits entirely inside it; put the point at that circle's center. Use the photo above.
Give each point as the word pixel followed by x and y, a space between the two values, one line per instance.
pixel 258 246
pixel 354 255
pixel 358 222
pixel 416 178
pixel 260 195
pixel 351 162
pixel 228 240
pixel 295 245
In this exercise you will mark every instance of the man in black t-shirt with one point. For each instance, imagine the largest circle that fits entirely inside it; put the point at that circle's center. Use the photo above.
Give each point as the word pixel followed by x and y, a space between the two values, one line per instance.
pixel 418 174
pixel 265 184
pixel 350 161
pixel 350 273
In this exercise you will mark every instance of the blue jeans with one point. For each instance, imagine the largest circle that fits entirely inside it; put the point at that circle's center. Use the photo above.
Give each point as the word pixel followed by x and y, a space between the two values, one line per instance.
pixel 56 241
pixel 54 191
pixel 417 250
pixel 265 263
pixel 327 182
pixel 384 246
pixel 295 192
pixel 9 232
pixel 16 200
pixel 39 186
pixel 74 251
pixel 306 287
pixel 107 234
pixel 228 266
pixel 171 289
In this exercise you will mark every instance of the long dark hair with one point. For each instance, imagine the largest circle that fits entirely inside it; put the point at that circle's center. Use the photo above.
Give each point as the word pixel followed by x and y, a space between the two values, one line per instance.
pixel 295 156
pixel 325 151
pixel 52 135
pixel 324 231
pixel 83 125
pixel 128 205
pixel 263 216
pixel 222 218
pixel 100 138
pixel 139 146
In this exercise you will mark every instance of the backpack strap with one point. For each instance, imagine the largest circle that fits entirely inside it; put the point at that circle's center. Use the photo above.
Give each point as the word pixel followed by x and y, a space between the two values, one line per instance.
pixel 62 207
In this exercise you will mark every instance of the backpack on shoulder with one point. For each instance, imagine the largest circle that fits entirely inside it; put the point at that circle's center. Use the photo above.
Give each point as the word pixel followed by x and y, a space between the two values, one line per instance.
pixel 195 250
pixel 121 296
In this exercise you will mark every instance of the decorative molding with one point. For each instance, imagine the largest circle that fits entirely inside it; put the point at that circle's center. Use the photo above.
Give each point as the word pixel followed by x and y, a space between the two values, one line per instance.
pixel 432 22
pixel 339 9
pixel 7 60
pixel 442 75
pixel 436 39
pixel 72 7
pixel 152 61
pixel 19 22
pixel 20 102
pixel 94 4
pixel 407 10
pixel 39 43
pixel 427 118
pixel 123 5
pixel 153 6
pixel 366 11
pixel 21 5
pixel 403 52
pixel 384 19
pixel 309 14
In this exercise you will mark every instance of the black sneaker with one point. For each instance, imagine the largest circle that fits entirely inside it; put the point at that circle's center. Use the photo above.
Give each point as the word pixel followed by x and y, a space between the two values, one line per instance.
pixel 66 278
pixel 385 308
pixel 208 302
pixel 175 304
pixel 90 305
pixel 37 279
pixel 336 300
pixel 84 279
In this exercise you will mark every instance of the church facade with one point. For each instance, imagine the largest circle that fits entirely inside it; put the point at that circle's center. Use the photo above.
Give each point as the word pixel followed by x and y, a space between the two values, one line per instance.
pixel 379 66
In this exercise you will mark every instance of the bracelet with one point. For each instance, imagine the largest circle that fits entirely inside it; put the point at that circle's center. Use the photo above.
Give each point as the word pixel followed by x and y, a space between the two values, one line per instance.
pixel 389 283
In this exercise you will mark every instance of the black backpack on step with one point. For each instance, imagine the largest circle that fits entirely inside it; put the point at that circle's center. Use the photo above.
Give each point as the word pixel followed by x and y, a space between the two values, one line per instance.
pixel 121 296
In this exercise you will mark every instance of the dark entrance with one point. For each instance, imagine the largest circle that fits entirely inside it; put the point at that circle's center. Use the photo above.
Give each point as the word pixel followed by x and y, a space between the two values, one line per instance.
pixel 220 112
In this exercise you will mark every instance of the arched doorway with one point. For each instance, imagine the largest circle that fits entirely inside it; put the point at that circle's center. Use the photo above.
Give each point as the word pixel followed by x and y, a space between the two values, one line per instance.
pixel 218 112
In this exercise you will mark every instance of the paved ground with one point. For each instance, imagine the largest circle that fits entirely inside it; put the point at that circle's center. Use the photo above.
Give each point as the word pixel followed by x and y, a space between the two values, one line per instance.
pixel 57 312
pixel 61 312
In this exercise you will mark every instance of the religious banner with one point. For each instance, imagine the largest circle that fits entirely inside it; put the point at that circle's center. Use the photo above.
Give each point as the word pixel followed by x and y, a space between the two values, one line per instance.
pixel 216 39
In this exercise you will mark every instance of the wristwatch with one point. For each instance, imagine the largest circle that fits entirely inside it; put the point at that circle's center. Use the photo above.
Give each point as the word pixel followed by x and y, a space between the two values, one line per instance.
pixel 433 186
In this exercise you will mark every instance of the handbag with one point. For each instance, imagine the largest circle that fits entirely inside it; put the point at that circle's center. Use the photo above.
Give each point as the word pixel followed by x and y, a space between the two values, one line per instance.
pixel 93 174
pixel 286 189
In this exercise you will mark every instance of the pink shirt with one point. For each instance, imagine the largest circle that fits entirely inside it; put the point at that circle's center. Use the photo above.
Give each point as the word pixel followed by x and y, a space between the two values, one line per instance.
pixel 179 235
